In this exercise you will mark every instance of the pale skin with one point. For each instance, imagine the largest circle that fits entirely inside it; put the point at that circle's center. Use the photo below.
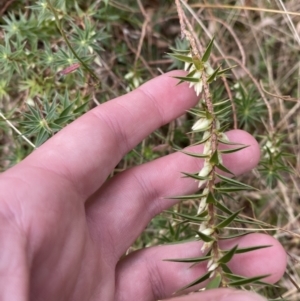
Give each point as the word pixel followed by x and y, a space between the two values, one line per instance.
pixel 64 227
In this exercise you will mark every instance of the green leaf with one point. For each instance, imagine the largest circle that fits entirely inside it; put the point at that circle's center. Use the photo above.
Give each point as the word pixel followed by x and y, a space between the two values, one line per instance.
pixel 197 281
pixel 223 168
pixel 189 217
pixel 186 197
pixel 223 208
pixel 228 256
pixel 232 150
pixel 228 220
pixel 202 141
pixel 227 189
pixel 214 158
pixel 245 281
pixel 181 57
pixel 250 249
pixel 225 70
pixel 228 142
pixel 214 75
pixel 81 108
pixel 234 182
pixel 205 237
pixel 191 260
pixel 221 102
pixel 193 154
pixel 207 52
pixel 210 198
pixel 187 79
pixel 195 176
pixel 215 283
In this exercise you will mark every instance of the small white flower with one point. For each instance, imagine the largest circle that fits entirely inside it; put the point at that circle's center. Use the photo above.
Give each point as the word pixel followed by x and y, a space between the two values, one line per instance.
pixel 224 137
pixel 206 246
pixel 207 231
pixel 207 147
pixel 187 65
pixel 209 70
pixel 201 124
pixel 213 267
pixel 206 169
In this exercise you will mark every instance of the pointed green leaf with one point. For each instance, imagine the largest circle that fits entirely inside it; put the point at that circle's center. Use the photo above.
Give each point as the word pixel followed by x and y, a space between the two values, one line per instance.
pixel 214 159
pixel 195 176
pixel 181 57
pixel 223 168
pixel 214 75
pixel 247 280
pixel 227 189
pixel 189 217
pixel 223 208
pixel 223 110
pixel 205 237
pixel 210 198
pixel 221 102
pixel 192 260
pixel 187 79
pixel 181 51
pixel 228 142
pixel 194 154
pixel 232 150
pixel 228 256
pixel 235 183
pixel 197 281
pixel 202 141
pixel 207 52
pixel 225 268
pixel 228 220
pixel 250 249
pixel 215 283
pixel 186 197
pixel 225 70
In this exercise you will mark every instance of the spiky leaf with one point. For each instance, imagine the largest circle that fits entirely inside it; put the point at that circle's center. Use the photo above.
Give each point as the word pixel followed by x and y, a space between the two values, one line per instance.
pixel 181 57
pixel 228 220
pixel 228 256
pixel 207 52
pixel 195 176
pixel 214 158
pixel 250 249
pixel 205 237
pixel 235 182
pixel 245 281
pixel 213 76
pixel 232 150
pixel 223 168
pixel 210 198
pixel 194 154
pixel 187 197
pixel 197 281
pixel 191 260
pixel 189 217
pixel 215 283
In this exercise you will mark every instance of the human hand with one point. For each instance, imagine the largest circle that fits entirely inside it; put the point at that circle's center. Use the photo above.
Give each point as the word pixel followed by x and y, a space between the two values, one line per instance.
pixel 64 228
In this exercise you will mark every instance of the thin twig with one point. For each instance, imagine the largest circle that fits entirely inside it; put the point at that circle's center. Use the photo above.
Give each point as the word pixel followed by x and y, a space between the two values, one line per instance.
pixel 143 32
pixel 17 131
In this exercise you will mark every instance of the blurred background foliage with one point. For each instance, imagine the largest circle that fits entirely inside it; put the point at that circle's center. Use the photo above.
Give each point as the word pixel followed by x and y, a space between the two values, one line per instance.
pixel 44 86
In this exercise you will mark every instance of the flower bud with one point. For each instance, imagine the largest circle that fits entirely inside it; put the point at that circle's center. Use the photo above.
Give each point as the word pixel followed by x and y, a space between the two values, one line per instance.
pixel 201 124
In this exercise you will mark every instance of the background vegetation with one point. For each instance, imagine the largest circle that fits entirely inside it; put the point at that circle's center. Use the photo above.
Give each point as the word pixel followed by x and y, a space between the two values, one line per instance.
pixel 121 44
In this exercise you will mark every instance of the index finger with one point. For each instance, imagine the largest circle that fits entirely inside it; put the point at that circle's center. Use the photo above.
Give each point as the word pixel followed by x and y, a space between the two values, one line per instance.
pixel 87 150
